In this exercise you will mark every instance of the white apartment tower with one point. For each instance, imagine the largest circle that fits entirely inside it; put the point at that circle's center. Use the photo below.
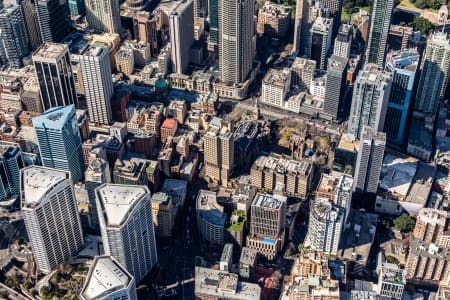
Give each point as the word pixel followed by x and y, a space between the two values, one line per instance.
pixel 235 40
pixel 103 15
pixel 126 226
pixel 97 82
pixel 181 28
pixel 51 217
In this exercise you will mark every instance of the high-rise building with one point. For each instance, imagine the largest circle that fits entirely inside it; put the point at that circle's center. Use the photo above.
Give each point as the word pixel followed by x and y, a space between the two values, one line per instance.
pixel 50 213
pixel 11 161
pixel 434 74
pixel 54 73
pixel 343 41
pixel 59 141
pixel 335 86
pixel 370 96
pixel 399 37
pixel 369 160
pixel 302 26
pixel 181 30
pixel 31 23
pixel 303 73
pixel 200 8
pixel 76 8
pixel 235 40
pixel 145 31
pixel 53 17
pixel 321 32
pixel 108 280
pixel 333 8
pixel 210 218
pixel 273 20
pixel 379 29
pixel 219 151
pixel 13 36
pixel 126 226
pixel 97 82
pixel 404 66
pixel 103 15
pixel 163 214
pixel 267 225
pixel 213 13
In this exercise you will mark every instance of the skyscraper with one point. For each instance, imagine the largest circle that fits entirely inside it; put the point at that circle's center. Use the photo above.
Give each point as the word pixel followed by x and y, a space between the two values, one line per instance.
pixel 97 82
pixel 235 40
pixel 54 73
pixel 32 24
pixel 76 8
pixel 53 17
pixel 181 29
pixel 334 8
pixel 403 65
pixel 379 29
pixel 343 41
pixel 213 24
pixel 302 25
pixel 369 160
pixel 434 74
pixel 321 41
pixel 335 85
pixel 11 162
pixel 103 15
pixel 13 36
pixel 51 217
pixel 370 97
pixel 126 226
pixel 59 140
pixel 219 151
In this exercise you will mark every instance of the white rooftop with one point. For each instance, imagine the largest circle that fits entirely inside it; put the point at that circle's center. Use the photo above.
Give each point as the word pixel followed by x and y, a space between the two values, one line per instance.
pixel 106 276
pixel 37 181
pixel 118 200
pixel 397 174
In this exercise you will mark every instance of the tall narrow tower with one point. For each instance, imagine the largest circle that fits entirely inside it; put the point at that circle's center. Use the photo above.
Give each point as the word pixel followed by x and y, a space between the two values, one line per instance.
pixel 53 17
pixel 103 15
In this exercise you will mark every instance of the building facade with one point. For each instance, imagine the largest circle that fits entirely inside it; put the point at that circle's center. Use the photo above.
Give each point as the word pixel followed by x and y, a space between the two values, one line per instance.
pixel 335 86
pixel 53 18
pixel 11 161
pixel 103 15
pixel 181 30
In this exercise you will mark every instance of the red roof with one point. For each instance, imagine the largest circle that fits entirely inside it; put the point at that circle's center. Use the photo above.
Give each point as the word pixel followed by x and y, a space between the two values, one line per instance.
pixel 169 123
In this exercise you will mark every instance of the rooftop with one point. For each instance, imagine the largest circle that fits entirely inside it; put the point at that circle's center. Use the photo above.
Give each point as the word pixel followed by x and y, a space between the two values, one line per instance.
pixel 397 174
pixel 169 123
pixel 105 276
pixel 277 77
pixel 55 118
pixel 50 50
pixel 282 165
pixel 322 25
pixel 161 198
pixel 267 201
pixel 118 201
pixel 237 220
pixel 209 209
pixel 277 10
pixel 422 184
pixel 248 256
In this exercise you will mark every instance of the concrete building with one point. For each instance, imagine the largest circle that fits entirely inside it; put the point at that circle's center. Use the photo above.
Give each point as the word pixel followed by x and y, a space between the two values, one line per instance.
pixel 181 30
pixel 56 88
pixel 343 41
pixel 59 141
pixel 303 73
pixel 31 23
pixel 53 18
pixel 131 170
pixel 50 214
pixel 369 160
pixel 177 109
pixel 430 225
pixel 219 151
pixel 104 15
pixel 273 20
pixel 76 8
pixel 379 29
pixel 97 82
pixel 291 176
pixel 404 66
pixel 391 280
pixel 370 97
pixel 11 161
pixel 321 43
pixel 176 189
pixel 107 279
pixel 302 26
pixel 226 258
pixel 275 87
pixel 267 225
pixel 125 60
pixel 14 36
pixel 235 30
pixel 399 37
pixel 210 218
pixel 126 226
pixel 163 214
pixel 168 128
pixel 247 262
pixel 335 86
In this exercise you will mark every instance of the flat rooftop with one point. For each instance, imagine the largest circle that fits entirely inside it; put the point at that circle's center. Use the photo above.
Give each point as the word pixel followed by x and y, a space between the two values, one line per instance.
pixel 209 209
pixel 422 184
pixel 50 50
pixel 276 77
pixel 38 181
pixel 119 200
pixel 397 174
pixel 248 256
pixel 55 118
pixel 105 276
pixel 273 202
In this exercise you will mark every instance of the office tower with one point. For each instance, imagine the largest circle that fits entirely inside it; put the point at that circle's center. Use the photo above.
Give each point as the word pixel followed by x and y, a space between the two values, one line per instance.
pixel 379 28
pixel 103 15
pixel 273 20
pixel 403 65
pixel 13 36
pixel 434 74
pixel 163 214
pixel 108 280
pixel 391 279
pixel 126 226
pixel 210 218
pixel 200 8
pixel 370 96
pixel 343 41
pixel 131 169
pixel 428 259
pixel 369 160
pixel 76 8
pixel 219 151
pixel 275 87
pixel 59 141
pixel 321 41
pixel 267 224
pixel 53 18
pixel 11 161
pixel 31 23
pixel 97 82
pixel 335 86
pixel 145 31
pixel 51 217
pixel 399 37
pixel 303 73
pixel 235 40
pixel 302 26
pixel 54 73
pixel 181 30
pixel 333 9
pixel 97 173
pixel 213 13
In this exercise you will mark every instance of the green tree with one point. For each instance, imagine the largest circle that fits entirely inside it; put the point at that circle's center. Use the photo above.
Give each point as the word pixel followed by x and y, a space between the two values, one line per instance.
pixel 392 259
pixel 423 25
pixel 404 223
pixel 3 295
pixel 46 292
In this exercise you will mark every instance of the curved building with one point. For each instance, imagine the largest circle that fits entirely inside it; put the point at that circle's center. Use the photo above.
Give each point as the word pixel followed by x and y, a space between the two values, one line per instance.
pixel 210 217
